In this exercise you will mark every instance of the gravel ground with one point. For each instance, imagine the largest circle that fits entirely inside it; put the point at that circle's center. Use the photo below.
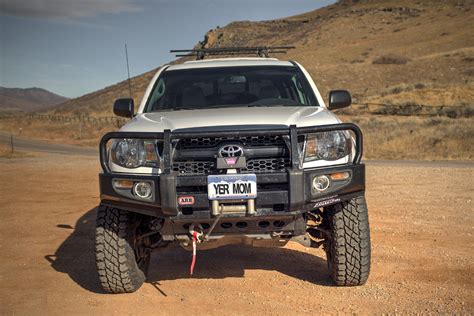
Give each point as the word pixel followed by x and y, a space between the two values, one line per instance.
pixel 421 218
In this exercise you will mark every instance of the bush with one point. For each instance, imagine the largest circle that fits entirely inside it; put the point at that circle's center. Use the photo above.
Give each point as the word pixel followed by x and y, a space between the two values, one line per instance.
pixel 469 72
pixel 390 60
pixel 397 90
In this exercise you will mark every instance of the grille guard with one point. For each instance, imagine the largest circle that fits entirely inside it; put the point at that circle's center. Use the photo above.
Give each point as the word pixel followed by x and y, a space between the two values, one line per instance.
pixel 167 136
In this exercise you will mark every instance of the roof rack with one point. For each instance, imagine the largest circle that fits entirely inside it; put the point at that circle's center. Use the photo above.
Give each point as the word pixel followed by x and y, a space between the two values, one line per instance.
pixel 260 51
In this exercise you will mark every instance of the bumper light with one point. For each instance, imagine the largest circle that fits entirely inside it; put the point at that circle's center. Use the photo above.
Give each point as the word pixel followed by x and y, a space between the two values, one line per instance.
pixel 123 184
pixel 340 176
pixel 143 190
pixel 321 183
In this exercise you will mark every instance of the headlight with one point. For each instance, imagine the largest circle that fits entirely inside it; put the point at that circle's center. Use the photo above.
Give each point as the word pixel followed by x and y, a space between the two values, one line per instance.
pixel 134 153
pixel 327 146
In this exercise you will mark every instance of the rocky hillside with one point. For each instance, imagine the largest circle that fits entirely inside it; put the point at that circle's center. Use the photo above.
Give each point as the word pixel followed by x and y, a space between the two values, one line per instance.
pixel 30 99
pixel 417 52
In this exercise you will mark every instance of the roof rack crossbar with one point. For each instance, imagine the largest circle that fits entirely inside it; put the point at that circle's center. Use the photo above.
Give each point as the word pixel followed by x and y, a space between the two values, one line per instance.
pixel 260 51
pixel 226 53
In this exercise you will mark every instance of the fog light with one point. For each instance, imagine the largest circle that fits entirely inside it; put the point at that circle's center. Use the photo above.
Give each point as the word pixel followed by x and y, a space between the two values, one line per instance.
pixel 321 183
pixel 143 190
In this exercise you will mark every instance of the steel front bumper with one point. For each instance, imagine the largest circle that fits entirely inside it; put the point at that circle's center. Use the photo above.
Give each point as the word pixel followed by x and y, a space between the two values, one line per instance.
pixel 280 194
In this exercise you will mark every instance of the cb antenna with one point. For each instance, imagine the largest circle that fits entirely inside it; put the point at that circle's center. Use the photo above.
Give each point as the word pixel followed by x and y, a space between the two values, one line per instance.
pixel 128 72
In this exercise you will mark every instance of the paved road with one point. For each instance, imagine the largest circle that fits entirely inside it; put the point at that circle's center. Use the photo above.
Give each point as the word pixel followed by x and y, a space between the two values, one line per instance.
pixel 28 144
pixel 422 163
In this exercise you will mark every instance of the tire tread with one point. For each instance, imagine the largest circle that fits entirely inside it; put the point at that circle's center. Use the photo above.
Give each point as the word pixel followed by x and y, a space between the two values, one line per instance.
pixel 349 249
pixel 115 257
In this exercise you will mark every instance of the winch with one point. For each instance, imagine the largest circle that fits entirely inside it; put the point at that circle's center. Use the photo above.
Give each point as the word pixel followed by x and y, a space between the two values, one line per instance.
pixel 233 207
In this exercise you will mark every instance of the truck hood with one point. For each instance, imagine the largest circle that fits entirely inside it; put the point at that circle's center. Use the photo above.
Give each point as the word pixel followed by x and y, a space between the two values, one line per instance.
pixel 184 119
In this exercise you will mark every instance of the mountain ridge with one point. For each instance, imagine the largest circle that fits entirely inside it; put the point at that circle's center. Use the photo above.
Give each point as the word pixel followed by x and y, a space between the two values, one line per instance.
pixel 28 99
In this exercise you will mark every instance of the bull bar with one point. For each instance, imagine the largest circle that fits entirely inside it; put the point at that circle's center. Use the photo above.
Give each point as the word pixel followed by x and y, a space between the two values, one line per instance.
pixel 298 195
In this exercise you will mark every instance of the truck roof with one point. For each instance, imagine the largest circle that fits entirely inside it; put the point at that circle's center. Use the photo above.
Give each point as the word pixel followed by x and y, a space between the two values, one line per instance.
pixel 230 62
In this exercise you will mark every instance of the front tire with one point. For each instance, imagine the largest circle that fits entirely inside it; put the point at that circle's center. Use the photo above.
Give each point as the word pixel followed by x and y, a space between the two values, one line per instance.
pixel 121 261
pixel 348 246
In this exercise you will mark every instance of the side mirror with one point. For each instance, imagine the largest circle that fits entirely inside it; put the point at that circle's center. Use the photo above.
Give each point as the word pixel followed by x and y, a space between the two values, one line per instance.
pixel 123 107
pixel 339 99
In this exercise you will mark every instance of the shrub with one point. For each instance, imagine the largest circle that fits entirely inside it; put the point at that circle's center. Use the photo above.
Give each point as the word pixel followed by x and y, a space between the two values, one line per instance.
pixel 469 72
pixel 420 86
pixel 390 60
pixel 396 90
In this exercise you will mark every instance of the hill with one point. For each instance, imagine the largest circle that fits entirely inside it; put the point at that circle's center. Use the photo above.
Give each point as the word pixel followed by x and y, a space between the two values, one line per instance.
pixel 408 64
pixel 382 51
pixel 30 99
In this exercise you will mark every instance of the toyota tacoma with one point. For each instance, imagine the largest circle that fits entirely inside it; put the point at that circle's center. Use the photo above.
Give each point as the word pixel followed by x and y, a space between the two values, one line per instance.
pixel 231 151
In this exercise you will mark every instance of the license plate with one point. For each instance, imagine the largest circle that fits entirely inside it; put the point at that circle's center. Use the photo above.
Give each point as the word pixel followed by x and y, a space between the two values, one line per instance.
pixel 232 186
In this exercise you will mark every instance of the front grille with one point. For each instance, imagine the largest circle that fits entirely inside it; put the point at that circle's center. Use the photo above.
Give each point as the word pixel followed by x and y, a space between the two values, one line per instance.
pixel 207 148
pixel 193 167
pixel 262 140
pixel 200 142
pixel 254 165
pixel 267 165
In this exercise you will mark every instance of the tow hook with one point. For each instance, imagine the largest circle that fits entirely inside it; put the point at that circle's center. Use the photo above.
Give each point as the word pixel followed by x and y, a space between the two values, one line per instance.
pixel 197 237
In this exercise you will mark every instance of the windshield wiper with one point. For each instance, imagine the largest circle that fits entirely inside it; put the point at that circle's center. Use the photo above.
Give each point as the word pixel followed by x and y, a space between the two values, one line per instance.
pixel 222 106
pixel 264 105
pixel 186 108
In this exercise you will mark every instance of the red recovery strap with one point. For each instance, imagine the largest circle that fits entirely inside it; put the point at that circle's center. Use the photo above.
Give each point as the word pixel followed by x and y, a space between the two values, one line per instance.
pixel 193 262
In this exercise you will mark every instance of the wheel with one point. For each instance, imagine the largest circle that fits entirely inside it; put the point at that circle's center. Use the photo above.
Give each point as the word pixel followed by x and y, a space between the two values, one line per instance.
pixel 122 259
pixel 348 244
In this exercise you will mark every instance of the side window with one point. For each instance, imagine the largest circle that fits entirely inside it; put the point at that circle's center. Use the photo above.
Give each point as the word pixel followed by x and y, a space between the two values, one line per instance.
pixel 158 92
pixel 299 89
pixel 288 90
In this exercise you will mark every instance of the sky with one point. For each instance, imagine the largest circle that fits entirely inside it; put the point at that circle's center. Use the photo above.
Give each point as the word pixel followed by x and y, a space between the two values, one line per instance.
pixel 73 47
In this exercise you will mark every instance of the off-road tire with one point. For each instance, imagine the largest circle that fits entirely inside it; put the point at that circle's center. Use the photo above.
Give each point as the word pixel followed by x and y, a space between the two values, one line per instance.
pixel 115 254
pixel 348 246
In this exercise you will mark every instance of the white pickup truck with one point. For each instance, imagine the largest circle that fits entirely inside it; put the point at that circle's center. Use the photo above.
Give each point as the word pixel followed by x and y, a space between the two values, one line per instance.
pixel 231 150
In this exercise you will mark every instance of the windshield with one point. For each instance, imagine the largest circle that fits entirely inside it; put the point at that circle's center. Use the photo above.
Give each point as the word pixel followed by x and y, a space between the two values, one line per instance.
pixel 229 87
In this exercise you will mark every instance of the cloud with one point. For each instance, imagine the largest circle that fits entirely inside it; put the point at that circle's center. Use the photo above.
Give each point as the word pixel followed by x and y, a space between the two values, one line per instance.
pixel 69 10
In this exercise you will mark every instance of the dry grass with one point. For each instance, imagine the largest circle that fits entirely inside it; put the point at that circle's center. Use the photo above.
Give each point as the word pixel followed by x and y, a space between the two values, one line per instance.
pixel 427 94
pixel 59 132
pixel 395 137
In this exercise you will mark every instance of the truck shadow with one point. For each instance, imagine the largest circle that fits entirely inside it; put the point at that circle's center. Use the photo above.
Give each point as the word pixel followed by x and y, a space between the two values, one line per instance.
pixel 75 256
pixel 173 263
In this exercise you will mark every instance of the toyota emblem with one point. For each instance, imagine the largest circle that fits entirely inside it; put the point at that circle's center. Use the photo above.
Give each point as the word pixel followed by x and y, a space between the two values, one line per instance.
pixel 231 150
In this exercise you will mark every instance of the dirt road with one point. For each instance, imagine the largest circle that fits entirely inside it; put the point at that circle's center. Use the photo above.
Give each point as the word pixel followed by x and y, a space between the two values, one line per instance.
pixel 422 224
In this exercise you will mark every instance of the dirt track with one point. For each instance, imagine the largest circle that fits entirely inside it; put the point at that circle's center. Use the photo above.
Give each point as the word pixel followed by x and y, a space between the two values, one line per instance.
pixel 422 223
